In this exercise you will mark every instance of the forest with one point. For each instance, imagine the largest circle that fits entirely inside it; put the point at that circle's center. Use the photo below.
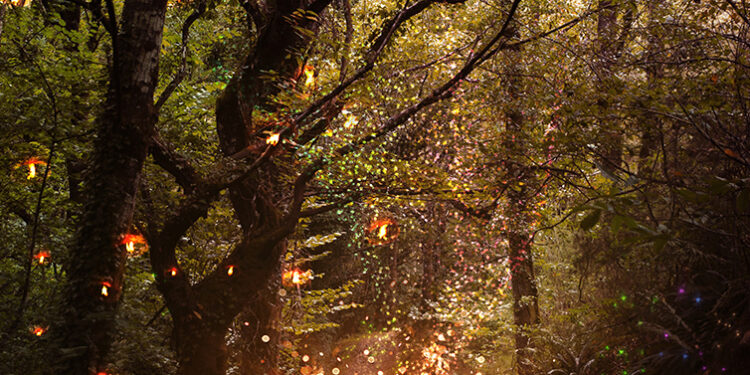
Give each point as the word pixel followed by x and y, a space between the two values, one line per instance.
pixel 374 187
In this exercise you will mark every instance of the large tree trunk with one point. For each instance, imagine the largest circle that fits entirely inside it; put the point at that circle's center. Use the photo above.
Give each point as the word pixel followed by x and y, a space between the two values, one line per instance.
pixel 201 348
pixel 119 152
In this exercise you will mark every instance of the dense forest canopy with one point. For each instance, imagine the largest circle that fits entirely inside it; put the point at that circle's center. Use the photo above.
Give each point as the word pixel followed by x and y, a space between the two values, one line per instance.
pixel 471 187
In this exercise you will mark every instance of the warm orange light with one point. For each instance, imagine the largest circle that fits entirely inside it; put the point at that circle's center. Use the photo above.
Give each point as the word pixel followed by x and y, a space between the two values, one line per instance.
pixel 32 172
pixel 21 3
pixel 38 330
pixel 272 139
pixel 41 256
pixel 382 231
pixel 230 270
pixel 31 164
pixel 309 75
pixel 105 289
pixel 173 271
pixel 296 277
pixel 131 240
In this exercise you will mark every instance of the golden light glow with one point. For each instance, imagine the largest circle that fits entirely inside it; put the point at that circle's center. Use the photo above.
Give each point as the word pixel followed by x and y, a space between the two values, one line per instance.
pixel 273 139
pixel 32 172
pixel 38 330
pixel 230 270
pixel 309 75
pixel 131 240
pixel 41 257
pixel 31 164
pixel 296 277
pixel 382 231
pixel 105 289
pixel 173 271
pixel 20 3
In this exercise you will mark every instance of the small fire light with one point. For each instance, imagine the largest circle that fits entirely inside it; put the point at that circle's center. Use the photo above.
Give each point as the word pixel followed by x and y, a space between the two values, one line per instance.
pixel 31 164
pixel 131 240
pixel 296 277
pixel 172 271
pixel 42 257
pixel 309 75
pixel 38 330
pixel 230 270
pixel 382 231
pixel 273 139
pixel 105 288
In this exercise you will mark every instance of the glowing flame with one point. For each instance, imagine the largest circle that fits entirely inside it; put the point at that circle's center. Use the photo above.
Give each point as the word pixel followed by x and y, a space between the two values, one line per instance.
pixel 32 172
pixel 309 75
pixel 38 330
pixel 296 277
pixel 230 270
pixel 173 271
pixel 31 164
pixel 382 231
pixel 41 256
pixel 130 240
pixel 272 139
pixel 105 289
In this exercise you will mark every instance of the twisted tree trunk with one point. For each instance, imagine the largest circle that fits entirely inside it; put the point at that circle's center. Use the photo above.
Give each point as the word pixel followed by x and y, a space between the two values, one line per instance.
pixel 124 128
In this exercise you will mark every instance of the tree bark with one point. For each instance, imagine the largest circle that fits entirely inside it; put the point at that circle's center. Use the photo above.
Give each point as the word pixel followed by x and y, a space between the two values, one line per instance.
pixel 519 220
pixel 120 149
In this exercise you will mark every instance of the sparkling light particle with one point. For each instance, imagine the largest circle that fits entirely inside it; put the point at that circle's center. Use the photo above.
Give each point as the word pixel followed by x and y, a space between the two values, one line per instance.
pixel 230 270
pixel 265 338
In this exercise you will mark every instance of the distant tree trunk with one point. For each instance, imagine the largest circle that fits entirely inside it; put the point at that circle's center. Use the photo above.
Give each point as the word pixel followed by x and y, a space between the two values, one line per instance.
pixel 652 129
pixel 97 258
pixel 609 46
pixel 518 222
pixel 201 348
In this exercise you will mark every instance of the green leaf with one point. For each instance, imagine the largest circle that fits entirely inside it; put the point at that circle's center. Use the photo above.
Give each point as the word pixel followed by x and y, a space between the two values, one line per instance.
pixel 591 219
